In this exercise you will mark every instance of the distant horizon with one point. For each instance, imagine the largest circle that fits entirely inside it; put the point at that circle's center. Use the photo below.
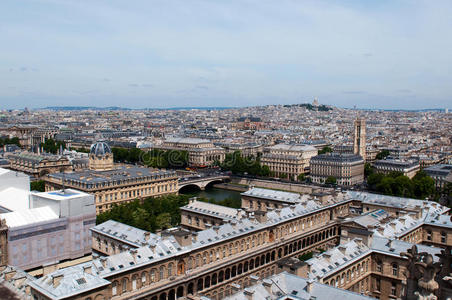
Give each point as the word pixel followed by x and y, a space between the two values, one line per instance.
pixel 83 107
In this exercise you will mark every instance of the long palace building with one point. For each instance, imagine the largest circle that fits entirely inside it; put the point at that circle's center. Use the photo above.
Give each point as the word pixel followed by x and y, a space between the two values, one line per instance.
pixel 365 237
pixel 113 184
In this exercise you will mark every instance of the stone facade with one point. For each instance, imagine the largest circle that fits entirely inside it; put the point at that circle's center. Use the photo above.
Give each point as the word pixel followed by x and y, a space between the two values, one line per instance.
pixel 347 169
pixel 291 160
pixel 201 152
pixel 39 165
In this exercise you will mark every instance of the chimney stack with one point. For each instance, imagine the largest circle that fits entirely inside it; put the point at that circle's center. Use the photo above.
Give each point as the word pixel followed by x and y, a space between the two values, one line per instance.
pixel 309 285
pixel 56 279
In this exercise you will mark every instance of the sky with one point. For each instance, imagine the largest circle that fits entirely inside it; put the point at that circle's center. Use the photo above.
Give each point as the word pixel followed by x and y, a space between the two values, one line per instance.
pixel 386 54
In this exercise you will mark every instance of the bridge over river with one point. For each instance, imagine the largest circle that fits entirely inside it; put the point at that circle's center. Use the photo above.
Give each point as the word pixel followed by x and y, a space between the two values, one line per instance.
pixel 202 181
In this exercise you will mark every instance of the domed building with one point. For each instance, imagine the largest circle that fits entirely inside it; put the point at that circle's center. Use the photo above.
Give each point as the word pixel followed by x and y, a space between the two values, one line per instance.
pixel 114 184
pixel 100 157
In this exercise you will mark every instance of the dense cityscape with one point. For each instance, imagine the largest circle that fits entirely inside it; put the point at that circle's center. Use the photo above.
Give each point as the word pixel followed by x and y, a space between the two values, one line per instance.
pixel 236 150
pixel 178 204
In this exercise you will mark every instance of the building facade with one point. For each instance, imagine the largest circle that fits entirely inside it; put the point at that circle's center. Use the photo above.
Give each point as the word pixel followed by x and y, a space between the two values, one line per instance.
pixel 111 184
pixel 55 228
pixel 201 152
pixel 406 167
pixel 347 169
pixel 288 160
pixel 39 165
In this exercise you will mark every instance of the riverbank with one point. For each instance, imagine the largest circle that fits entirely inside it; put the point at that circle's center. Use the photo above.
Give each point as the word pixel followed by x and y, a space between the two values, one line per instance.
pixel 231 187
pixel 276 185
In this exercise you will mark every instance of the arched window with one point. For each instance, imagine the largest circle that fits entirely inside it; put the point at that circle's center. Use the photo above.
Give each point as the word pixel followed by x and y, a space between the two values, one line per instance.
pixel 395 269
pixel 114 288
pixel 124 285
pixel 162 273
pixel 170 270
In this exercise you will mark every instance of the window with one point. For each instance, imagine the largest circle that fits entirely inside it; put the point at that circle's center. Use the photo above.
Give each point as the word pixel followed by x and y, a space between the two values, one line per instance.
pixel 377 284
pixel 379 266
pixel 393 289
pixel 114 289
pixel 395 269
pixel 443 237
pixel 124 285
pixel 429 235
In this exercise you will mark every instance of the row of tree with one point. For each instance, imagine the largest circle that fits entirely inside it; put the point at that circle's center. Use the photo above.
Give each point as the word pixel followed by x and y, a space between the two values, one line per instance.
pixel 38 186
pixel 239 164
pixel 52 146
pixel 155 158
pixel 9 141
pixel 149 214
pixel 397 184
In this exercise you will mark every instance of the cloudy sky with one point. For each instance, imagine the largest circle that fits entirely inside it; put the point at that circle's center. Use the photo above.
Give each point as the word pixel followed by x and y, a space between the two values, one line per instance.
pixel 372 54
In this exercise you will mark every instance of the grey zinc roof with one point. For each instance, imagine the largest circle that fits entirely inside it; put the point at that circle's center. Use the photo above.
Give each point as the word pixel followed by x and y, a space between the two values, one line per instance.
pixel 124 233
pixel 73 280
pixel 337 258
pixel 273 195
pixel 210 209
pixel 289 286
pixel 397 202
pixel 119 173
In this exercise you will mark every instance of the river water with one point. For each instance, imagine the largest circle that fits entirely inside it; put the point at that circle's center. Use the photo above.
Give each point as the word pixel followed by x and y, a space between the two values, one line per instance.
pixel 212 193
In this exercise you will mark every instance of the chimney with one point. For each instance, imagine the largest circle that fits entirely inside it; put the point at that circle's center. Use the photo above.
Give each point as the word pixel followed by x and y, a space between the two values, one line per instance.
pixel 87 269
pixel 342 249
pixel 103 260
pixel 234 224
pixel 292 207
pixel 267 283
pixel 261 216
pixel 194 235
pixel 147 236
pixel 254 279
pixel 309 285
pixel 393 225
pixel 10 274
pixel 19 281
pixel 235 287
pixel 216 228
pixel 248 293
pixel 56 280
pixel 134 253
pixel 183 237
pixel 278 211
pixel 327 257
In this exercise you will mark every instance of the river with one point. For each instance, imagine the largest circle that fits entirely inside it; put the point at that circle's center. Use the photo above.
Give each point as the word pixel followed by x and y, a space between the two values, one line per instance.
pixel 212 193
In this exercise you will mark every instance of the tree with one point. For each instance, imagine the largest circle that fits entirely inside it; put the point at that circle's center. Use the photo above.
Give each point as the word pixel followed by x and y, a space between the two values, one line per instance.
pixel 283 176
pixel 163 221
pixel 382 154
pixel 368 170
pixel 385 186
pixel 38 186
pixel 331 180
pixel 301 177
pixel 8 141
pixel 326 149
pixel 53 147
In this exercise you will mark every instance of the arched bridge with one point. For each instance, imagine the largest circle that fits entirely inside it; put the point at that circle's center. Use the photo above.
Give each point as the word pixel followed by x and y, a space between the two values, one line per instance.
pixel 201 181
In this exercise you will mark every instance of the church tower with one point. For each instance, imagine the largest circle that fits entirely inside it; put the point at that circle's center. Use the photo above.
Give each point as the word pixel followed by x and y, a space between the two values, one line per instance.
pixel 359 142
pixel 100 157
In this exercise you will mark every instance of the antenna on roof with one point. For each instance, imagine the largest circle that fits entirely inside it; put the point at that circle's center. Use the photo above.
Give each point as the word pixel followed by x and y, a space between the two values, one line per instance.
pixel 62 185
